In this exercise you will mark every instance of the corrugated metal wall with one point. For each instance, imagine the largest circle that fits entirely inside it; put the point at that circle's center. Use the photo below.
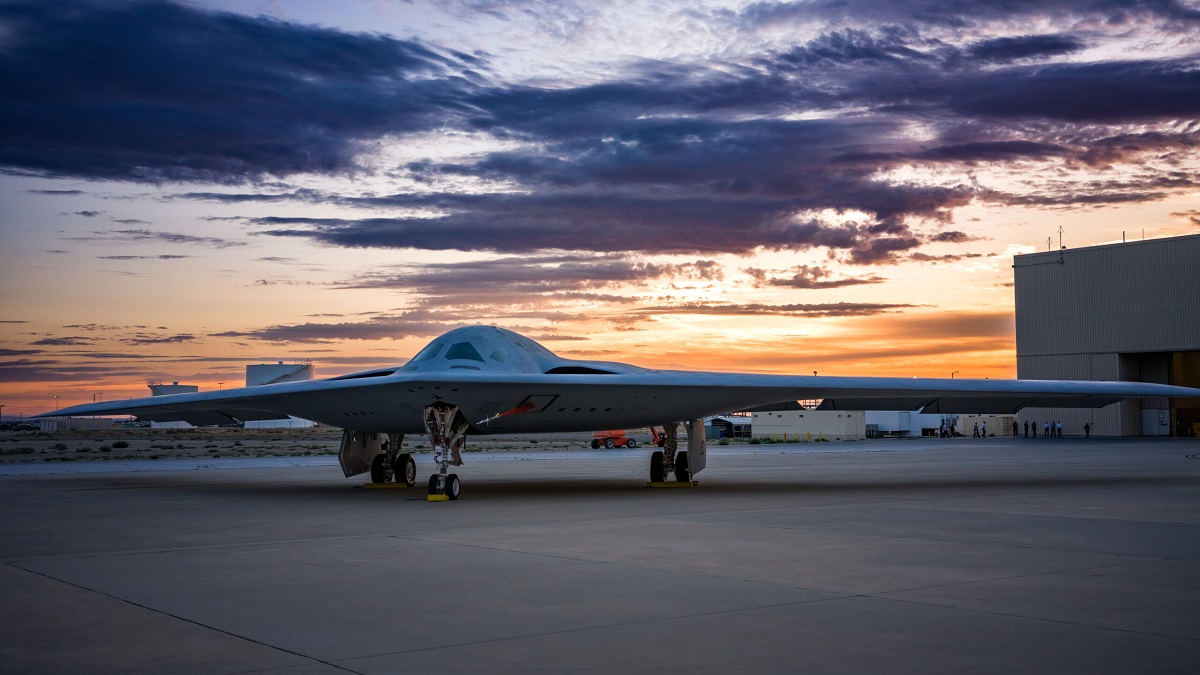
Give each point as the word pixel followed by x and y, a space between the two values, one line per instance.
pixel 1138 297
pixel 1092 313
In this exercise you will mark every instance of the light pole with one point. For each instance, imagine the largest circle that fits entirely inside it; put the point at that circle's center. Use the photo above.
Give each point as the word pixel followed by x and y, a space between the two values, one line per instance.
pixel 56 401
pixel 220 386
pixel 953 374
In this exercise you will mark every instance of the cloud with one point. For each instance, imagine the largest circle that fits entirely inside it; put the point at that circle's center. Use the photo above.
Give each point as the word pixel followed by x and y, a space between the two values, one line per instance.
pixel 149 339
pixel 151 90
pixel 830 309
pixel 71 341
pixel 1192 216
pixel 696 158
pixel 143 257
pixel 155 236
pixel 1024 47
pixel 416 323
pixel 516 280
pixel 807 277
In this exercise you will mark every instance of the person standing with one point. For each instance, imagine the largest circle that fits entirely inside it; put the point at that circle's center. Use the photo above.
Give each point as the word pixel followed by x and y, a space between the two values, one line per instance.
pixel 975 431
pixel 1026 428
pixel 1087 430
pixel 1045 430
pixel 983 430
pixel 1016 429
pixel 1033 425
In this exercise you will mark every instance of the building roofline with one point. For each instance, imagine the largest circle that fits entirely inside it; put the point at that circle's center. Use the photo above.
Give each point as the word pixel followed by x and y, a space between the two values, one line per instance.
pixel 1138 242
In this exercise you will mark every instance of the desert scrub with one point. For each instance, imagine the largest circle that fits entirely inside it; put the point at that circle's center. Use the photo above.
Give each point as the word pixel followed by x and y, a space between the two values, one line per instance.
pixel 121 444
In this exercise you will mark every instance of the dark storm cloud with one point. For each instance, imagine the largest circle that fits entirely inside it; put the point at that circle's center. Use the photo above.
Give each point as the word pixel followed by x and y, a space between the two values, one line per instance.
pixel 663 158
pixel 152 90
pixel 1024 47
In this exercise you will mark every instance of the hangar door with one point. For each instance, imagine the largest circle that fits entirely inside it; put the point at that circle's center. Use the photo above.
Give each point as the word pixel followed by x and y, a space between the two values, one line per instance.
pixel 1185 372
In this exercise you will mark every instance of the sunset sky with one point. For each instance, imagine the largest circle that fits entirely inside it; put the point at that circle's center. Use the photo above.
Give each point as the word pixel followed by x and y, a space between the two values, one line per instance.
pixel 783 187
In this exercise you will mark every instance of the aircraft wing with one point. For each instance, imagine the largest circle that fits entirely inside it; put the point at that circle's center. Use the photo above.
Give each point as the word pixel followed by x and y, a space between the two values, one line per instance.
pixel 586 401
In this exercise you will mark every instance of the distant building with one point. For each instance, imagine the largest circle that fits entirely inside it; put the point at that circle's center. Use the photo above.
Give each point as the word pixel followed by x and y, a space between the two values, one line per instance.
pixel 52 424
pixel 907 423
pixel 1129 312
pixel 806 424
pixel 728 426
pixel 275 373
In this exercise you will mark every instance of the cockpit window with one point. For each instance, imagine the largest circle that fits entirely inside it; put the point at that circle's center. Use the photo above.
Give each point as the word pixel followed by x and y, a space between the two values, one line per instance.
pixel 463 350
pixel 501 354
pixel 431 350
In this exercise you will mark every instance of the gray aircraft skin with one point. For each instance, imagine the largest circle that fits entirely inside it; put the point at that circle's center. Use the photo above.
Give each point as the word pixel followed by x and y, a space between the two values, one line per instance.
pixel 487 371
pixel 504 383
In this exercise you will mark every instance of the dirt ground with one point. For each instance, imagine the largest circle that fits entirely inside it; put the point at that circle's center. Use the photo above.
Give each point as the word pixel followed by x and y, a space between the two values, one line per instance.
pixel 120 443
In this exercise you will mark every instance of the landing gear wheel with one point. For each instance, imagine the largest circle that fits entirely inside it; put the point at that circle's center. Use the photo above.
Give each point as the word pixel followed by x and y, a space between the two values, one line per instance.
pixel 595 444
pixel 631 443
pixel 656 467
pixel 405 470
pixel 433 484
pixel 682 475
pixel 453 486
pixel 608 444
pixel 379 469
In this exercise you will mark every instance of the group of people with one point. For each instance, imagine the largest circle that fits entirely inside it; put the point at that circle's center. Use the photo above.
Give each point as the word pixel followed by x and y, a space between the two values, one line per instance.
pixel 1053 429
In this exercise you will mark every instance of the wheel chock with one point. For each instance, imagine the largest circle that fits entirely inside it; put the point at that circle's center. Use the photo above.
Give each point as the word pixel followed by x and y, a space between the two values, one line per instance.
pixel 438 498
pixel 674 484
pixel 385 486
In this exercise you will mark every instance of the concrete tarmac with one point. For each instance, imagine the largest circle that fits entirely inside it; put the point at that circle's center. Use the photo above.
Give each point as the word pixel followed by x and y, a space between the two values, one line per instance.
pixel 988 556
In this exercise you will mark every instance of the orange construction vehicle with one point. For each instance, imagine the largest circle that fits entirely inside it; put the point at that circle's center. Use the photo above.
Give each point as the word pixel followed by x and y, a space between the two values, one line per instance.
pixel 618 439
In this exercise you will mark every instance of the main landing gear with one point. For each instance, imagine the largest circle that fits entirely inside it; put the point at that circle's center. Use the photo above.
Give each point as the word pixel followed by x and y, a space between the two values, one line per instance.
pixel 683 464
pixel 447 429
pixel 393 466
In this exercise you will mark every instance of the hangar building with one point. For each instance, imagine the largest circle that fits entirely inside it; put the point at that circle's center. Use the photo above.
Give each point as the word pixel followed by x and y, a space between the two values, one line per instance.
pixel 1128 311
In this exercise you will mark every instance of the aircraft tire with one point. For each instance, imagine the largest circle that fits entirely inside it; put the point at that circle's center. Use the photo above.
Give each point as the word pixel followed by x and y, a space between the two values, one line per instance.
pixel 682 474
pixel 379 469
pixel 631 444
pixel 406 471
pixel 656 467
pixel 433 484
pixel 608 444
pixel 453 486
